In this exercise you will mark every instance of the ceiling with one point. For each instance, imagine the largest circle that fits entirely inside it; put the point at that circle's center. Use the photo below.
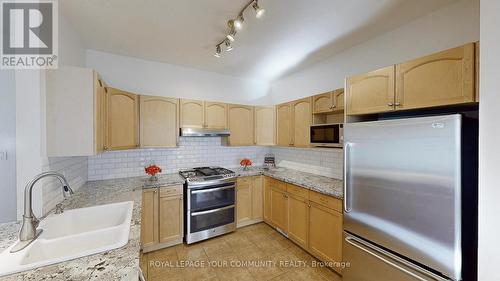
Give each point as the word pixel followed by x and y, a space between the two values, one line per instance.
pixel 292 34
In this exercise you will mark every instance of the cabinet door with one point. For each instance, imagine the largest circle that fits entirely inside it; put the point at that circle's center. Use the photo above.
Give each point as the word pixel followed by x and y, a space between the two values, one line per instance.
pixel 440 79
pixel 257 198
pixel 241 125
pixel 267 200
pixel 302 120
pixel 159 121
pixel 265 122
pixel 298 227
pixel 243 200
pixel 149 217
pixel 338 100
pixel 192 115
pixel 372 92
pixel 323 103
pixel 279 212
pixel 171 218
pixel 325 233
pixel 215 115
pixel 123 117
pixel 283 124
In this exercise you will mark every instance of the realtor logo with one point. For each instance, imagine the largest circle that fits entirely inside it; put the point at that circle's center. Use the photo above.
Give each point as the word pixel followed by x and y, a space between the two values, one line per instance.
pixel 29 34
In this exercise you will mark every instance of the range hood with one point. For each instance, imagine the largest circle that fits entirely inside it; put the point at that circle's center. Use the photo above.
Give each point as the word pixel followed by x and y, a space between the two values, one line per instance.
pixel 204 132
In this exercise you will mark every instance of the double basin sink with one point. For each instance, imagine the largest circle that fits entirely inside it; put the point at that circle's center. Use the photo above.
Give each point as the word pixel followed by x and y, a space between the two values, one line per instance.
pixel 73 234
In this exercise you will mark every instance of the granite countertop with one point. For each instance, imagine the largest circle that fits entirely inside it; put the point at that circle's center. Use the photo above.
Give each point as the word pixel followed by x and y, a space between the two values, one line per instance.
pixel 329 186
pixel 165 180
pixel 118 264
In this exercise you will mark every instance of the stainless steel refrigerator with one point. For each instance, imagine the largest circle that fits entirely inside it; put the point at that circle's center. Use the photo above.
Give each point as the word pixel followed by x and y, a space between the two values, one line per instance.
pixel 403 214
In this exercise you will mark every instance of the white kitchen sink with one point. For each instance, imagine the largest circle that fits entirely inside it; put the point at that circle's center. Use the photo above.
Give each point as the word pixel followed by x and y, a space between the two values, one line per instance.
pixel 73 234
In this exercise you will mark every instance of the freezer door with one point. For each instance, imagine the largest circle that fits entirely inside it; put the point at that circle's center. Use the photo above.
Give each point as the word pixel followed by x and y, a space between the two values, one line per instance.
pixel 402 188
pixel 370 263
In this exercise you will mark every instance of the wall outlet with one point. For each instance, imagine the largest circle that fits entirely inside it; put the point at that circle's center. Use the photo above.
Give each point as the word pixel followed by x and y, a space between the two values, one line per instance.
pixel 3 155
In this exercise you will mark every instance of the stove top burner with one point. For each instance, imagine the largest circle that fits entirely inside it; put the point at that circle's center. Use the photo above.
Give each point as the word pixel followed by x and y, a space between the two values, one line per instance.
pixel 206 173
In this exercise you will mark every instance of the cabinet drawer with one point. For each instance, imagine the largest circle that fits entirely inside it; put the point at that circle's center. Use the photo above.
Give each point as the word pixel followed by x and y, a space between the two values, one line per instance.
pixel 325 200
pixel 297 190
pixel 171 190
pixel 244 180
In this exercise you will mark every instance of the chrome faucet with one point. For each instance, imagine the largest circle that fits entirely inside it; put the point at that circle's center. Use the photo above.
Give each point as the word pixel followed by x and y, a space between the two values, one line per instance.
pixel 28 232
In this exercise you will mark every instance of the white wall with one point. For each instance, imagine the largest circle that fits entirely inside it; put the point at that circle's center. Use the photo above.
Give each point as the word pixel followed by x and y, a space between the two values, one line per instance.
pixel 160 79
pixel 448 27
pixel 71 47
pixel 8 145
pixel 489 140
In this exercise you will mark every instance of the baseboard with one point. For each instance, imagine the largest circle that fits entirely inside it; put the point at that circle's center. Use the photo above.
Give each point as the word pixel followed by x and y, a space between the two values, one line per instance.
pixel 162 245
pixel 248 222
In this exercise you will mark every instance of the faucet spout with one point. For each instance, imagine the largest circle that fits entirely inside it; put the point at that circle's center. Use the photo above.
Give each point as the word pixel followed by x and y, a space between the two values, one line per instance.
pixel 28 231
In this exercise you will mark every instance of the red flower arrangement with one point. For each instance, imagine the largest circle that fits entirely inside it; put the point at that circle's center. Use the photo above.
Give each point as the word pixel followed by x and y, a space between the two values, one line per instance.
pixel 245 162
pixel 152 170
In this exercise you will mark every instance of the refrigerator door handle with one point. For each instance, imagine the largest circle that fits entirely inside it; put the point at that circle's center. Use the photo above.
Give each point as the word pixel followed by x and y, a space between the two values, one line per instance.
pixel 375 253
pixel 347 174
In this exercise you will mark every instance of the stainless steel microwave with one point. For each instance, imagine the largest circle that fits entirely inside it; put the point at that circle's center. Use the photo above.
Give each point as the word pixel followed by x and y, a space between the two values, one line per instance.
pixel 327 135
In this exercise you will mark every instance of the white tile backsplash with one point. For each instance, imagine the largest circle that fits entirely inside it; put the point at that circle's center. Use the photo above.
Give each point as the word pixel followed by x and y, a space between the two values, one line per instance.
pixel 320 161
pixel 192 152
pixel 75 171
pixel 209 151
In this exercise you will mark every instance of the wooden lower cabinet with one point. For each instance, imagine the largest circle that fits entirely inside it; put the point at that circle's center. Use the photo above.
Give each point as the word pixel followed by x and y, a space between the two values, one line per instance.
pixel 279 209
pixel 162 217
pixel 243 201
pixel 171 223
pixel 310 219
pixel 267 200
pixel 325 233
pixel 249 200
pixel 298 225
pixel 149 217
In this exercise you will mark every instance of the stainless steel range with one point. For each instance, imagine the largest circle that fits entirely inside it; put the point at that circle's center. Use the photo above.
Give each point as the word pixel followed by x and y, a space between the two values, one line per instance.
pixel 210 202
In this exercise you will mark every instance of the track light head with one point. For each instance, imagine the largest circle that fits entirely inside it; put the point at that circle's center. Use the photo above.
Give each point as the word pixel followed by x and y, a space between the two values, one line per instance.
pixel 217 51
pixel 228 45
pixel 259 12
pixel 232 31
pixel 238 22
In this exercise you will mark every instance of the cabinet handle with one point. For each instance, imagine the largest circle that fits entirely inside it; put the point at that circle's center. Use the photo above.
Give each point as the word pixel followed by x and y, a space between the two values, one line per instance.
pixel 397 104
pixel 156 191
pixel 105 148
pixel 390 104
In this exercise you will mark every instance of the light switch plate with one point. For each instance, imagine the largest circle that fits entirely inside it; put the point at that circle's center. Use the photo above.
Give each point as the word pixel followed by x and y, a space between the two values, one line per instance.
pixel 3 155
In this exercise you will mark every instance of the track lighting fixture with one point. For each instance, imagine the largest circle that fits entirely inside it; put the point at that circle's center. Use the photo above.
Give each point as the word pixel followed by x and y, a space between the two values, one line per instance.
pixel 217 51
pixel 259 12
pixel 238 22
pixel 236 25
pixel 228 45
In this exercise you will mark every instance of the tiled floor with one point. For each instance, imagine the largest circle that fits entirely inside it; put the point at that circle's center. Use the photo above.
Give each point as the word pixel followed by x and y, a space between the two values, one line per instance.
pixel 255 252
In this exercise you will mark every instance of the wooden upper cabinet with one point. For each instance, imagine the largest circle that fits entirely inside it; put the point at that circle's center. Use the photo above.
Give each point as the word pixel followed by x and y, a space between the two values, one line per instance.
pixel 241 124
pixel 284 124
pixel 265 120
pixel 440 79
pixel 476 78
pixel 338 99
pixel 192 113
pixel 323 103
pixel 302 120
pixel 123 120
pixel 215 115
pixel 372 92
pixel 159 121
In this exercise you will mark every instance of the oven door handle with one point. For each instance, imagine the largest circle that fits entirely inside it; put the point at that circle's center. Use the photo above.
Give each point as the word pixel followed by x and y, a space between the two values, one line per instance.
pixel 211 211
pixel 212 189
